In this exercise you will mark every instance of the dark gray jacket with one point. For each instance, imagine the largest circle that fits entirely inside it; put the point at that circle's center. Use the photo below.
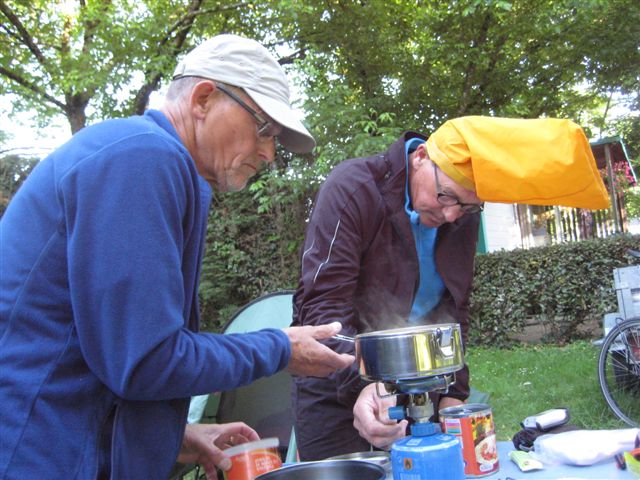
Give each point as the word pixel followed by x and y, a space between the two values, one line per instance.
pixel 360 267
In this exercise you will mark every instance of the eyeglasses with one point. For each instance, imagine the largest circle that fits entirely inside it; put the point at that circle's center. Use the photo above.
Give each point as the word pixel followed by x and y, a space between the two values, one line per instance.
pixel 265 127
pixel 451 200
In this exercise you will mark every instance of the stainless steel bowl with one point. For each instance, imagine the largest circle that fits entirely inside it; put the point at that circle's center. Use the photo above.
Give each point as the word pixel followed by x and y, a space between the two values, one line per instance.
pixel 328 470
pixel 378 457
pixel 410 353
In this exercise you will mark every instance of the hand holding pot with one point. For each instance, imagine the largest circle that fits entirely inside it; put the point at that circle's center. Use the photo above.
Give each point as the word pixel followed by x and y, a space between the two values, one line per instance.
pixel 371 418
pixel 310 357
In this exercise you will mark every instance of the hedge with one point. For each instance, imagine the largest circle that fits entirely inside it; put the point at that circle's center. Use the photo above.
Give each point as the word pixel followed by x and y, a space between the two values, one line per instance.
pixel 563 286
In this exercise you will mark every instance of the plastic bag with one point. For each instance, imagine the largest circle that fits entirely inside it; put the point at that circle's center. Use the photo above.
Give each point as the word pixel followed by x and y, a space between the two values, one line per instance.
pixel 523 440
pixel 583 447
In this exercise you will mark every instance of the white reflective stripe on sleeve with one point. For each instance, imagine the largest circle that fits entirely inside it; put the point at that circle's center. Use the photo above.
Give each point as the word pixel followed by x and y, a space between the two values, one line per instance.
pixel 304 254
pixel 308 249
pixel 335 234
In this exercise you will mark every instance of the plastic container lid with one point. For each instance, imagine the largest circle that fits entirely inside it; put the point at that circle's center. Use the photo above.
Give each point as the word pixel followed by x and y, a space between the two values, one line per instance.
pixel 265 443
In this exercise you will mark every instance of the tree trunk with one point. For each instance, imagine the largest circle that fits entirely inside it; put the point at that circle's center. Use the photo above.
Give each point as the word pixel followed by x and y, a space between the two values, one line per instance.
pixel 75 106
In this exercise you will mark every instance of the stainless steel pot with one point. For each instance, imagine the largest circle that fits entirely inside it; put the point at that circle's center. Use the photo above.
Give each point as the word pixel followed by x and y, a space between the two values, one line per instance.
pixel 327 470
pixel 409 353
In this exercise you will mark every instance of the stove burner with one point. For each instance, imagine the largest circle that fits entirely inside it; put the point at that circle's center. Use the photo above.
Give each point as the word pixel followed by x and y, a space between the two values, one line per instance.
pixel 418 408
pixel 422 385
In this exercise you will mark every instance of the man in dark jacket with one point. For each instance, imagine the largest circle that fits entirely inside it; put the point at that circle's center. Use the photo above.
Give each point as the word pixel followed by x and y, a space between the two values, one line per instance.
pixel 391 243
pixel 373 219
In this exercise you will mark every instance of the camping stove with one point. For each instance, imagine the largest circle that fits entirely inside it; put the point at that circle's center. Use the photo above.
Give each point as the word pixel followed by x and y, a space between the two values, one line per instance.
pixel 427 453
pixel 414 362
pixel 419 408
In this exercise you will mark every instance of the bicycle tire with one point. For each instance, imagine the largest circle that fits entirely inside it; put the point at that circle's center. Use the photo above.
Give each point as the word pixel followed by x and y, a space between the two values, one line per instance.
pixel 619 371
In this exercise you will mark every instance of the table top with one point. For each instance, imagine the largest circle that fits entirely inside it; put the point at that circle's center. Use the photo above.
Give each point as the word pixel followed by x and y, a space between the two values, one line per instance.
pixel 606 470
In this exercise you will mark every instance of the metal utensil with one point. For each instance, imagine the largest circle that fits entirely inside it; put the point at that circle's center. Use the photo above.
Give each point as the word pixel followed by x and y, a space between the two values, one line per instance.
pixel 328 470
pixel 344 338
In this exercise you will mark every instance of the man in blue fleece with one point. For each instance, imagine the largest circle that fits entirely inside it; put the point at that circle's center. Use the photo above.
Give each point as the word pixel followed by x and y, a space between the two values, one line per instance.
pixel 101 251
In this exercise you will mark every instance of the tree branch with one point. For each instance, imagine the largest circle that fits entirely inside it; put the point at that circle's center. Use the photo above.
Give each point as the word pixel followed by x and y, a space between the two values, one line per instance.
pixel 24 150
pixel 289 59
pixel 90 27
pixel 194 11
pixel 32 86
pixel 153 77
pixel 469 76
pixel 24 36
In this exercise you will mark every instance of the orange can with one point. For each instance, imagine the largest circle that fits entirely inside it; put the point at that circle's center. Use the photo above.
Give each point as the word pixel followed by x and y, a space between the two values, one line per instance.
pixel 248 460
pixel 473 424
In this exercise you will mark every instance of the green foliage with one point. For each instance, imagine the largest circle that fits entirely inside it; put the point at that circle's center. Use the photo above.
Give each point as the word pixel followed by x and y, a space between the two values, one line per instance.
pixel 446 59
pixel 632 202
pixel 563 286
pixel 92 60
pixel 628 128
pixel 252 245
pixel 420 64
pixel 14 170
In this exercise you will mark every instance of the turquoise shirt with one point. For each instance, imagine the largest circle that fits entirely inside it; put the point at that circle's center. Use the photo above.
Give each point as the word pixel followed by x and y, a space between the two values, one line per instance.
pixel 431 286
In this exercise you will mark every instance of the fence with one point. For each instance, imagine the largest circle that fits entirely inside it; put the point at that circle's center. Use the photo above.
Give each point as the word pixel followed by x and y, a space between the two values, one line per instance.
pixel 554 225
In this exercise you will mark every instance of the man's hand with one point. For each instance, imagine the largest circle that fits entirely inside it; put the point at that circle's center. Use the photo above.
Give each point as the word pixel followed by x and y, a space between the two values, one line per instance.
pixel 311 358
pixel 371 418
pixel 203 444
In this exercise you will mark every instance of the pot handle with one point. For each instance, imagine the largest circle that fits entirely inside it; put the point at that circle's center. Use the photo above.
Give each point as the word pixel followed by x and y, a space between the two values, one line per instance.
pixel 444 341
pixel 344 338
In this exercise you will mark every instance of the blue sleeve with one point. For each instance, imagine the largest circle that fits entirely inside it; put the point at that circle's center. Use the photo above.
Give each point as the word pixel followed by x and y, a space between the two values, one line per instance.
pixel 129 215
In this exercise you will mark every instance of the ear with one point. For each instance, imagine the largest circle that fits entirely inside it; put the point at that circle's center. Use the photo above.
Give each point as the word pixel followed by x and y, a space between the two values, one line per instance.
pixel 200 99
pixel 422 153
pixel 419 156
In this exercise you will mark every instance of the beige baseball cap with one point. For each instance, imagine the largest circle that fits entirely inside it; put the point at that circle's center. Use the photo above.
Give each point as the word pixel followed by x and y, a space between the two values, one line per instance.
pixel 246 64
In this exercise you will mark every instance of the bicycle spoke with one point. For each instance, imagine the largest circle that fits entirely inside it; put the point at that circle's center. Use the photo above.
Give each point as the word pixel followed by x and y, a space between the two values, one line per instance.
pixel 619 371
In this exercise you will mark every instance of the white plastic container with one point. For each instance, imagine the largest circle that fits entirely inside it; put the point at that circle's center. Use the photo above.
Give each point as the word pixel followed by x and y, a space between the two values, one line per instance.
pixel 248 460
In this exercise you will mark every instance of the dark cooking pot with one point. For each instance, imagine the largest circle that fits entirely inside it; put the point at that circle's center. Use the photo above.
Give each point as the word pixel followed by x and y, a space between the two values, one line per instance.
pixel 328 470
pixel 409 353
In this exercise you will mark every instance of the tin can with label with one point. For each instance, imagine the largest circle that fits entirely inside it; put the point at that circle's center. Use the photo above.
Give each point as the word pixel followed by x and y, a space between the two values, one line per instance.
pixel 473 424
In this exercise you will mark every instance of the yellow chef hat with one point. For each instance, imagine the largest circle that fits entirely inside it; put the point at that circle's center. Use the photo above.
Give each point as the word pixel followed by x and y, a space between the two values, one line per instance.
pixel 545 161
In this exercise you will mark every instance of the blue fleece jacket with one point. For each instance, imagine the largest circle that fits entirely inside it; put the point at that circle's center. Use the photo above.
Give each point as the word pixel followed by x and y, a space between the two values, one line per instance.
pixel 100 254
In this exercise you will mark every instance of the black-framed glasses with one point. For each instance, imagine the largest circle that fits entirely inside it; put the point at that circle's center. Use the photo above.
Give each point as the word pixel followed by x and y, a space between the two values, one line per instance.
pixel 451 200
pixel 265 127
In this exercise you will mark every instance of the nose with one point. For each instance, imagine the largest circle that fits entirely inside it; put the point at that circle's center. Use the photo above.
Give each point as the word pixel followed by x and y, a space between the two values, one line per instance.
pixel 452 213
pixel 267 149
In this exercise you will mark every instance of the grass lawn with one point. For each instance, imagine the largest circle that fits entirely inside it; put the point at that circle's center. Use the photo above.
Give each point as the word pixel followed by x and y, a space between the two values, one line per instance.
pixel 527 380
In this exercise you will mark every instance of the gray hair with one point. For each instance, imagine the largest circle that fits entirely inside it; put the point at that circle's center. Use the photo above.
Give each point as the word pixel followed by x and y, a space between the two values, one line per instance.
pixel 180 88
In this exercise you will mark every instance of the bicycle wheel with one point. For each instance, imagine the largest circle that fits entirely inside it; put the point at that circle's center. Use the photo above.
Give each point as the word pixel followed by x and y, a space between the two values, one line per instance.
pixel 619 371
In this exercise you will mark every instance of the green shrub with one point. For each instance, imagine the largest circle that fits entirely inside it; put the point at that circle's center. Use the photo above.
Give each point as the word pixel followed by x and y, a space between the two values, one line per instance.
pixel 563 286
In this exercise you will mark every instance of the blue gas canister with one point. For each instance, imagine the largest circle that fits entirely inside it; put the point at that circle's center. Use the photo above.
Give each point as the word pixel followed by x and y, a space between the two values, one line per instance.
pixel 428 454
